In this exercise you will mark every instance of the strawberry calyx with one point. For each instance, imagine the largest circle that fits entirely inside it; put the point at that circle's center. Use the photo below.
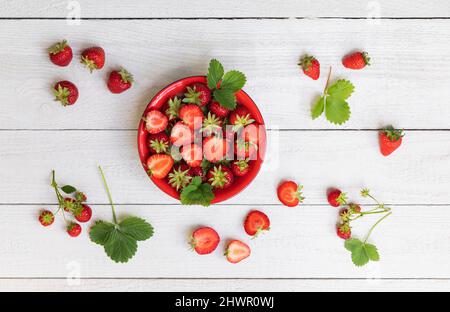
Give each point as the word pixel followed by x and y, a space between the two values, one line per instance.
pixel 62 95
pixel 342 198
pixel 160 146
pixel 393 134
pixel 58 47
pixel 211 124
pixel 242 164
pixel 90 64
pixel 219 177
pixel 242 121
pixel 192 96
pixel 366 57
pixel 174 108
pixel 179 178
pixel 259 231
pixel 306 62
pixel 125 76
pixel 299 194
pixel 47 217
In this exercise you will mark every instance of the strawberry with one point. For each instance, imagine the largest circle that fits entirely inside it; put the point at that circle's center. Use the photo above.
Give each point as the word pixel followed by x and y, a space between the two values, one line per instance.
pixel 158 143
pixel 181 134
pixel 218 109
pixel 289 193
pixel 155 121
pixel 172 108
pixel 80 196
pixel 214 148
pixel 180 176
pixel 390 139
pixel 197 94
pixel 354 208
pixel 192 115
pixel 65 92
pixel 74 229
pixel 197 172
pixel 240 167
pixel 212 125
pixel 345 215
pixel 220 177
pixel 69 203
pixel 60 53
pixel 46 218
pixel 252 133
pixel 310 66
pixel 159 165
pixel 119 81
pixel 245 150
pixel 205 240
pixel 237 251
pixel 83 214
pixel 357 60
pixel 93 58
pixel 344 231
pixel 336 198
pixel 240 117
pixel 256 222
pixel 192 154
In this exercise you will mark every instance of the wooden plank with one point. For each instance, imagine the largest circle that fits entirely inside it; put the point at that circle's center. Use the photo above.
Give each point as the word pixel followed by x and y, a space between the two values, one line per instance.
pixel 232 8
pixel 395 89
pixel 418 173
pixel 301 244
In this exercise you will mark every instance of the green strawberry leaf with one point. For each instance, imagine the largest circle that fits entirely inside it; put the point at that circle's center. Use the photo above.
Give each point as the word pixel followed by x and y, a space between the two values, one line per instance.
pixel 121 246
pixel 361 252
pixel 136 228
pixel 226 98
pixel 215 73
pixel 337 110
pixel 100 232
pixel 318 108
pixel 352 243
pixel 233 80
pixel 372 252
pixel 68 189
pixel 341 89
pixel 359 256
pixel 197 193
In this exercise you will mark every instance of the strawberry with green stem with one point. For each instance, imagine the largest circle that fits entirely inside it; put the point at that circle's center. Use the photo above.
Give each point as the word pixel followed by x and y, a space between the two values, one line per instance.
pixel 390 139
pixel 180 177
pixel 310 66
pixel 65 92
pixel 172 108
pixel 212 125
pixel 197 94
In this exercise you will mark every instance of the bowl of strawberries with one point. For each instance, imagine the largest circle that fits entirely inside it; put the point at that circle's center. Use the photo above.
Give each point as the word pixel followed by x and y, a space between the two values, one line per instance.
pixel 202 139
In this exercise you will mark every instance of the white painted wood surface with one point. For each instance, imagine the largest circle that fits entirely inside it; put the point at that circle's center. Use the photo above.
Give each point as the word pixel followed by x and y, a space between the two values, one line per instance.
pixel 407 86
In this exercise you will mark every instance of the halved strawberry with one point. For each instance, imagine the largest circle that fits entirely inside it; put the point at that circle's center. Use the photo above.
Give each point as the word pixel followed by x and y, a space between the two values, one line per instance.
pixel 240 117
pixel 218 109
pixel 214 148
pixel 155 121
pixel 220 177
pixel 181 134
pixel 158 143
pixel 192 154
pixel 256 222
pixel 192 115
pixel 198 94
pixel 237 251
pixel 159 165
pixel 240 167
pixel 289 193
pixel 205 240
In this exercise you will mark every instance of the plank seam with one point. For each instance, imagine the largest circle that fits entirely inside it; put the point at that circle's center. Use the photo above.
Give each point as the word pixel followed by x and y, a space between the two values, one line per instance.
pixel 236 18
pixel 241 278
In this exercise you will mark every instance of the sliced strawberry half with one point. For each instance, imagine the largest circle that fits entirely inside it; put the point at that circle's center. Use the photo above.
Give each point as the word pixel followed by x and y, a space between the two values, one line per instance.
pixel 256 222
pixel 205 240
pixel 237 251
pixel 214 148
pixel 155 121
pixel 192 154
pixel 181 134
pixel 159 165
pixel 289 193
pixel 192 115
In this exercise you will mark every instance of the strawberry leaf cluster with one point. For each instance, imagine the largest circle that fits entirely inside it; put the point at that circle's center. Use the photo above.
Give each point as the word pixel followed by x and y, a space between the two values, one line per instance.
pixel 197 193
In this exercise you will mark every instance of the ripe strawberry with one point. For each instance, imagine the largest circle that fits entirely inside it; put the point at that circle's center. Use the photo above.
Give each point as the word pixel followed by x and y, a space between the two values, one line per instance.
pixel 158 143
pixel 83 214
pixel 119 81
pixel 181 134
pixel 218 109
pixel 354 208
pixel 198 94
pixel 80 196
pixel 46 217
pixel 212 125
pixel 240 117
pixel 65 92
pixel 205 240
pixel 390 139
pixel 252 133
pixel 159 165
pixel 240 167
pixel 357 60
pixel 155 121
pixel 172 108
pixel 61 53
pixel 93 58
pixel 192 115
pixel 289 193
pixel 220 177
pixel 245 150
pixel 69 204
pixel 310 66
pixel 74 229
pixel 180 176
pixel 336 198
pixel 197 172
pixel 256 222
pixel 237 251
pixel 345 215
pixel 192 154
pixel 344 231
pixel 214 148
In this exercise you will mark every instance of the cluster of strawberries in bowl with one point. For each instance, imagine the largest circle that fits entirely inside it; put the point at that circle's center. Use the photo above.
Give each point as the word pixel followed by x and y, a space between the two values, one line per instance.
pixel 202 139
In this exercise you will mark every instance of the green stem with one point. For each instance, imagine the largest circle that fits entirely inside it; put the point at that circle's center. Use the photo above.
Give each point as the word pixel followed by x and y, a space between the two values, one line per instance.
pixel 109 195
pixel 373 226
pixel 58 194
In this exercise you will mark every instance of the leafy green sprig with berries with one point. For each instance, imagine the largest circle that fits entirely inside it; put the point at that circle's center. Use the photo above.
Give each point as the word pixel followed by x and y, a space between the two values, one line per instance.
pixel 74 204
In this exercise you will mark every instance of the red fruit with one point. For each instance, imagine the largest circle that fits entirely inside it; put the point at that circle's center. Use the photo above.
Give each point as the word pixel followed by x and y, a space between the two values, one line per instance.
pixel 390 139
pixel 65 92
pixel 256 222
pixel 180 176
pixel 218 109
pixel 205 240
pixel 289 193
pixel 155 121
pixel 119 81
pixel 245 150
pixel 93 58
pixel 172 108
pixel 310 66
pixel 252 133
pixel 181 134
pixel 192 115
pixel 344 231
pixel 237 251
pixel 336 198
pixel 355 208
pixel 74 229
pixel 214 148
pixel 158 143
pixel 240 117
pixel 198 94
pixel 68 204
pixel 80 196
pixel 61 53
pixel 240 167
pixel 357 60
pixel 84 214
pixel 46 217
pixel 159 165
pixel 220 177
pixel 197 172
pixel 192 154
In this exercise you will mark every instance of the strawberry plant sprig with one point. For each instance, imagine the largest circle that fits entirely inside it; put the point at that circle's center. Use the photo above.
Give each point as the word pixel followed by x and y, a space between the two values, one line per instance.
pixel 361 251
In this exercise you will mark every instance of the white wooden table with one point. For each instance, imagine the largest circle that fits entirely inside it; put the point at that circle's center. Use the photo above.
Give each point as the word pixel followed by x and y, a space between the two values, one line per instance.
pixel 160 41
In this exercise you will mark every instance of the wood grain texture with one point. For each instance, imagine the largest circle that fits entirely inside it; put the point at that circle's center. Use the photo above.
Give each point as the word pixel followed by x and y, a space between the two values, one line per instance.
pixel 231 8
pixel 395 89
pixel 301 244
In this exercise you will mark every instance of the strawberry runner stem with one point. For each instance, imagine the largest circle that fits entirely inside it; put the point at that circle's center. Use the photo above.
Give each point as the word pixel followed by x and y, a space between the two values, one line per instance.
pixel 109 195
pixel 376 223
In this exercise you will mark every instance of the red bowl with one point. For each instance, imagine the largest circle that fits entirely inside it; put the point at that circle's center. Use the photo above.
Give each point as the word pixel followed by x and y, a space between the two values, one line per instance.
pixel 176 88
